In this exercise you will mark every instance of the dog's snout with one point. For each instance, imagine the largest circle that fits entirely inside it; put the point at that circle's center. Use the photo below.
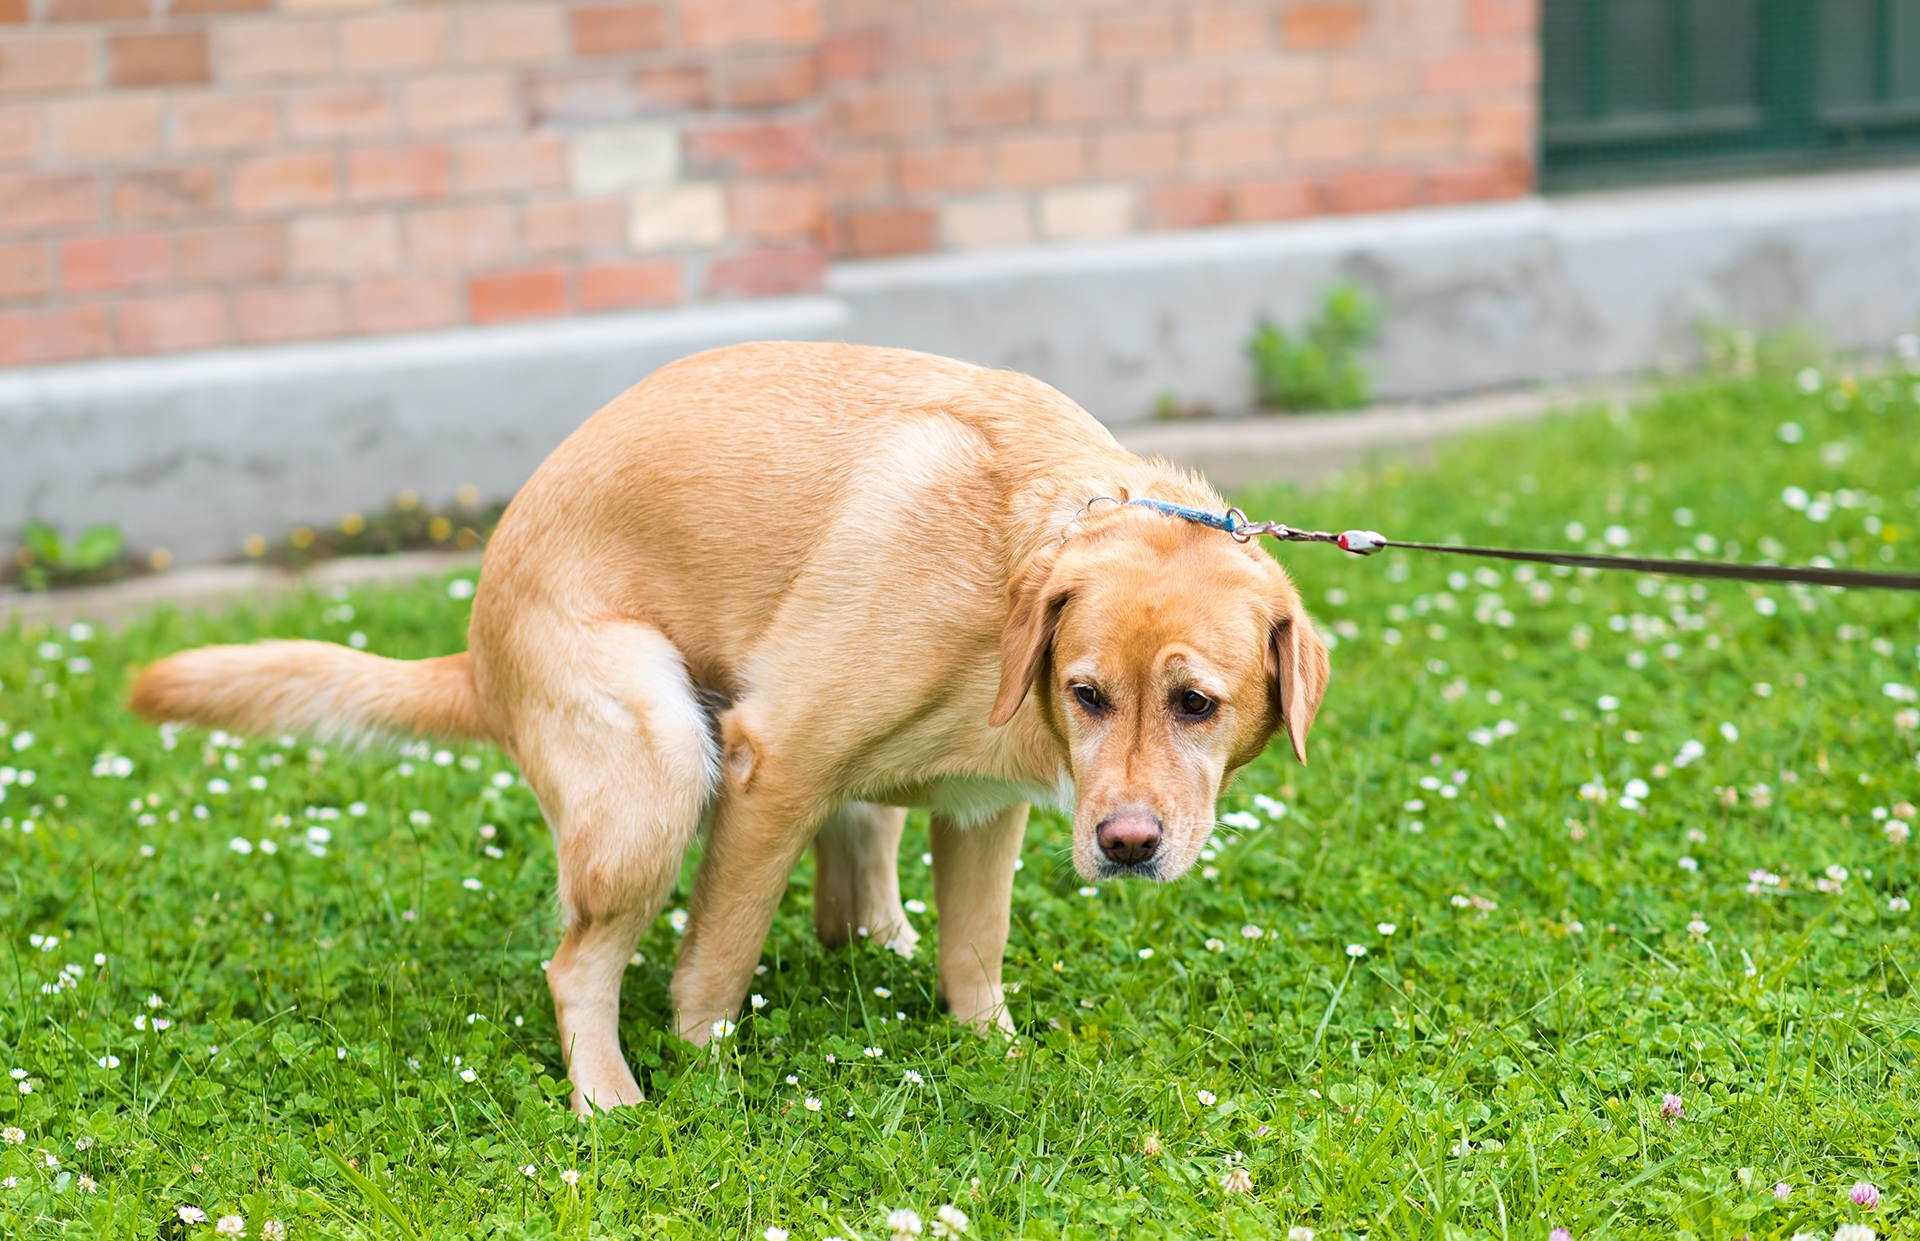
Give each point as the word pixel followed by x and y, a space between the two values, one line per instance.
pixel 1129 839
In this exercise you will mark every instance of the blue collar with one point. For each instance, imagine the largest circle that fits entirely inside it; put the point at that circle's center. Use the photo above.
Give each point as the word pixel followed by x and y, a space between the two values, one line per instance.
pixel 1229 521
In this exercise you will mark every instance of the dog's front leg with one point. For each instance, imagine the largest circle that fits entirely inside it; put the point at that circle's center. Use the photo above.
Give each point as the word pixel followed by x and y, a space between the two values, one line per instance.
pixel 973 887
pixel 759 831
pixel 856 878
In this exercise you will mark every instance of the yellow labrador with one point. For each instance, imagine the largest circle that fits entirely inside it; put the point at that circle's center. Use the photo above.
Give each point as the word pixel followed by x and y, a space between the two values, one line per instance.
pixel 788 590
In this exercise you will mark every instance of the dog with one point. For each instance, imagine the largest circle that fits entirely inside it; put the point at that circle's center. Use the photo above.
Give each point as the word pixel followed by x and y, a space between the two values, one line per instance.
pixel 785 591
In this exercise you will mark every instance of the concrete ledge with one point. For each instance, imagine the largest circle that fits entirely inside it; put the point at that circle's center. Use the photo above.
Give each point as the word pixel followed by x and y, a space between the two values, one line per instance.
pixel 1487 296
pixel 194 453
pixel 221 586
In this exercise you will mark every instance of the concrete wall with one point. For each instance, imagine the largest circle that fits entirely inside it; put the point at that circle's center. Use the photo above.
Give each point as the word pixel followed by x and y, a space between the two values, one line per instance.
pixel 196 452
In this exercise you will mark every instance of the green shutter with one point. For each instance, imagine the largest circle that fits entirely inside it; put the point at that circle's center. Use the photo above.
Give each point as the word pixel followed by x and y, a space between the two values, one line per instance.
pixel 1644 90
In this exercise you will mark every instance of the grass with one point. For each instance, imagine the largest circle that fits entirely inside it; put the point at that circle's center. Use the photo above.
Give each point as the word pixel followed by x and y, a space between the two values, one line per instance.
pixel 1493 1067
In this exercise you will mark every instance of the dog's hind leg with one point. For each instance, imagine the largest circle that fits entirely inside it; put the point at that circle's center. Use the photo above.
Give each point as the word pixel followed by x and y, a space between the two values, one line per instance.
pixel 623 761
pixel 856 884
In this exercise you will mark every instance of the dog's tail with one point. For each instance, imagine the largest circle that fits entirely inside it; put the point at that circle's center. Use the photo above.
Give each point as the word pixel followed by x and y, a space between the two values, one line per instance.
pixel 316 689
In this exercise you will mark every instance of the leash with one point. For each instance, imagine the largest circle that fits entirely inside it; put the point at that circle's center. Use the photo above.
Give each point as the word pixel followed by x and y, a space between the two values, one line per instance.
pixel 1367 542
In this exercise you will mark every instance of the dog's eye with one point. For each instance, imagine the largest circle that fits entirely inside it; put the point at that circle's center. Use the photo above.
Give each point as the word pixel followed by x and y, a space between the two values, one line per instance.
pixel 1194 704
pixel 1087 696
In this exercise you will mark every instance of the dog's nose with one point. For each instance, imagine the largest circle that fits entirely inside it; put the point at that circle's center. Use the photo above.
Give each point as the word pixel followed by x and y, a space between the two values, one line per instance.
pixel 1128 839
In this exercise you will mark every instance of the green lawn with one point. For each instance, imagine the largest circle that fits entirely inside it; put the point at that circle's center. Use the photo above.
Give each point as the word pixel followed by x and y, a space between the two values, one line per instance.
pixel 1443 992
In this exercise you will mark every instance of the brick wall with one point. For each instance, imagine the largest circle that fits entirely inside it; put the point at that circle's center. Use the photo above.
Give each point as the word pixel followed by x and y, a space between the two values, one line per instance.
pixel 182 174
pixel 186 174
pixel 963 123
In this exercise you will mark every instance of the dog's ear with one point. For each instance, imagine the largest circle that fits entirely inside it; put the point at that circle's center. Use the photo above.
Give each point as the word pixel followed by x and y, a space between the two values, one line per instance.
pixel 1297 671
pixel 1038 596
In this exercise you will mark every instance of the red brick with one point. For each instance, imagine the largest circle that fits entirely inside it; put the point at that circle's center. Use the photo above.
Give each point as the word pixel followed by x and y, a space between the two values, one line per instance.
pixel 1230 32
pixel 854 175
pixel 45 64
pixel 1501 128
pixel 163 58
pixel 641 282
pixel 766 273
pixel 1305 26
pixel 875 111
pixel 1473 70
pixel 574 226
pixel 1278 86
pixel 761 148
pixel 97 10
pixel 1480 182
pixel 776 211
pixel 889 230
pixel 617 29
pixel 714 25
pixel 171 324
pixel 948 51
pixel 1493 19
pixel 19 134
pixel 404 304
pixel 1136 152
pixel 227 253
pixel 521 293
pixel 226 123
pixel 991 105
pixel 275 49
pixel 1182 91
pixel 444 105
pixel 166 193
pixel 348 110
pixel 1187 206
pixel 385 42
pixel 770 81
pixel 943 169
pixel 274 183
pixel 854 56
pixel 1040 45
pixel 1039 159
pixel 507 34
pixel 1228 146
pixel 1418 135
pixel 282 313
pixel 1085 97
pixel 1282 199
pixel 344 245
pixel 391 174
pixel 25 272
pixel 572 94
pixel 1137 38
pixel 452 238
pixel 115 263
pixel 672 87
pixel 1328 140
pixel 1365 77
pixel 106 127
pixel 522 162
pixel 202 8
pixel 52 200
pixel 37 337
pixel 1377 189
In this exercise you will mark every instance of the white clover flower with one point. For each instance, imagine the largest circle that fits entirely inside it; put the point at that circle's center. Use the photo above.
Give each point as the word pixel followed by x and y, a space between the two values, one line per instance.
pixel 1854 1232
pixel 1299 1233
pixel 950 1221
pixel 1386 928
pixel 13 1135
pixel 904 1224
pixel 1237 1181
pixel 90 1185
pixel 1251 932
pixel 1898 831
pixel 775 1233
pixel 913 1078
pixel 273 1230
pixel 231 1226
pixel 1216 945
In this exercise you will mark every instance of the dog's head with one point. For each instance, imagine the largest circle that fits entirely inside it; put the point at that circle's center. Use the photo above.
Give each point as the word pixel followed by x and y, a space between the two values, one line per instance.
pixel 1163 655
